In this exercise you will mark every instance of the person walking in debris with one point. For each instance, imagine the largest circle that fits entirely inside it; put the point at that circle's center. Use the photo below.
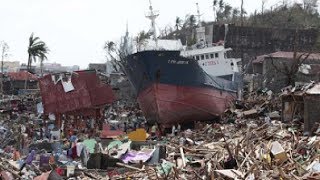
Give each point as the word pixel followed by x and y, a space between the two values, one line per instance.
pixel 153 131
pixel 173 130
pixel 20 139
pixel 125 127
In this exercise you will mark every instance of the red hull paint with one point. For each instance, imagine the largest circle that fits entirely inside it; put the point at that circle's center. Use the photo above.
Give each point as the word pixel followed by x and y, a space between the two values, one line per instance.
pixel 169 104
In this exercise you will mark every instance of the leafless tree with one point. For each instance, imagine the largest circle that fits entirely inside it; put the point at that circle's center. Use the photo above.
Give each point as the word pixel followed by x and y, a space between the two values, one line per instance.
pixel 4 52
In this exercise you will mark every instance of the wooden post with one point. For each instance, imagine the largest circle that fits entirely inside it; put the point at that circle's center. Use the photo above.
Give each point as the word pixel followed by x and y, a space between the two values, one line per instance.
pixel 58 120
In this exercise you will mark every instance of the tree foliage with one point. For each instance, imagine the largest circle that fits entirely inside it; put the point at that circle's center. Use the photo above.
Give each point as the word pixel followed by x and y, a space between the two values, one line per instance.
pixel 141 39
pixel 288 16
pixel 178 23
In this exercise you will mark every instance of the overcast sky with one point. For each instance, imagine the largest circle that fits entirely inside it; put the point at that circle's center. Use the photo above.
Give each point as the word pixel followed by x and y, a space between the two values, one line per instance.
pixel 75 30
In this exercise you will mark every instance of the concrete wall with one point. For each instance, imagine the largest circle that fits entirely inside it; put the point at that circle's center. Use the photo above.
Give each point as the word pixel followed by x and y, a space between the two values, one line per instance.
pixel 100 67
pixel 305 107
pixel 254 41
pixel 257 68
pixel 311 111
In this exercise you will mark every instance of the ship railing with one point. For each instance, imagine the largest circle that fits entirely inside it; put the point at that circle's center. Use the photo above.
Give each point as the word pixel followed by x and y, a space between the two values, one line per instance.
pixel 223 84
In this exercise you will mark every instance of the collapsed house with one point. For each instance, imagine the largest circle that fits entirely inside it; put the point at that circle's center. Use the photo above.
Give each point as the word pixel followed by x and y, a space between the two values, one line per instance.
pixel 270 70
pixel 80 93
pixel 301 104
pixel 19 82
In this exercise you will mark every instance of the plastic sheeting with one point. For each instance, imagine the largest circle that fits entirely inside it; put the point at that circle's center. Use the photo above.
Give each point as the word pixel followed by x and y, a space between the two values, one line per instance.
pixel 136 156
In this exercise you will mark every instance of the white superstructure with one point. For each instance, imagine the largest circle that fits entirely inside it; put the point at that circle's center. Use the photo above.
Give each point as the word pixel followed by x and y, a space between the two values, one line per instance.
pixel 212 58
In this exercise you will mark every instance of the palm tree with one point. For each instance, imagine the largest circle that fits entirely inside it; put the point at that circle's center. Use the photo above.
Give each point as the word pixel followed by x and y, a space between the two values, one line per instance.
pixel 235 14
pixel 141 39
pixel 178 23
pixel 192 21
pixel 219 9
pixel 36 49
pixel 109 46
pixel 215 3
pixel 227 11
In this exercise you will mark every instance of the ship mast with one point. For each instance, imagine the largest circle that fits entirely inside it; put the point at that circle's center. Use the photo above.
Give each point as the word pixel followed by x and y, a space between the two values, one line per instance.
pixel 152 15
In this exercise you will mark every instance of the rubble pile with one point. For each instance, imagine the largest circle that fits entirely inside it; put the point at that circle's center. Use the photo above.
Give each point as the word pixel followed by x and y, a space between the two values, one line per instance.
pixel 251 142
pixel 255 105
pixel 258 150
pixel 120 113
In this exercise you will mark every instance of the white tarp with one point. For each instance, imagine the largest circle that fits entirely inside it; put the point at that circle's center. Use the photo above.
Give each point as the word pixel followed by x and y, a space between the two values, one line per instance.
pixel 40 108
pixel 67 86
pixel 52 117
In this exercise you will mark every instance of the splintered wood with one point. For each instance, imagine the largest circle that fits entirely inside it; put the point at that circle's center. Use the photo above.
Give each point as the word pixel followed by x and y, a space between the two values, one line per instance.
pixel 257 150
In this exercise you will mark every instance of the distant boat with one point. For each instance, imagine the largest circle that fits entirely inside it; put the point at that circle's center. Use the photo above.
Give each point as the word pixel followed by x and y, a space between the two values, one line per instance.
pixel 171 85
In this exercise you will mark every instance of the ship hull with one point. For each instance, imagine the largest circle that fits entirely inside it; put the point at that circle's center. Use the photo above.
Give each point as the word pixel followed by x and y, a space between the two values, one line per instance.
pixel 181 104
pixel 174 89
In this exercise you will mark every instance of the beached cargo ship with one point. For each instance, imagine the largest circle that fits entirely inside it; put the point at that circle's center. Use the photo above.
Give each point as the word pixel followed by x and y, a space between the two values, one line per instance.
pixel 172 87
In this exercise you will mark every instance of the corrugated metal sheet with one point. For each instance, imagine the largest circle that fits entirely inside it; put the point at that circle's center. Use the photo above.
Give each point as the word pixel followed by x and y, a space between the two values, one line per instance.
pixel 89 93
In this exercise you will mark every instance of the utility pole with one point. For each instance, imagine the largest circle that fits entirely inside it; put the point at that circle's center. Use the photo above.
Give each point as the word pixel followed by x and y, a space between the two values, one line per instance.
pixel 4 50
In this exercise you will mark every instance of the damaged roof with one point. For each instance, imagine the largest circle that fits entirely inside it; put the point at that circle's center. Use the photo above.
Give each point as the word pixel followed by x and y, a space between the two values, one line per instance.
pixel 300 90
pixel 310 69
pixel 314 90
pixel 87 92
pixel 22 76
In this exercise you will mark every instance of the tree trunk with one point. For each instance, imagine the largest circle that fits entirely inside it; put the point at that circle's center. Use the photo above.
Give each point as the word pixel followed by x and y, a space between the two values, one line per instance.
pixel 2 73
pixel 41 68
pixel 241 12
pixel 29 63
pixel 28 70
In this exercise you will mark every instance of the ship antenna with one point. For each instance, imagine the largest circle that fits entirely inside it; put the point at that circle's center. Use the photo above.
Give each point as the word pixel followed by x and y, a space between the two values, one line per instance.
pixel 127 28
pixel 199 15
pixel 152 15
pixel 201 37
